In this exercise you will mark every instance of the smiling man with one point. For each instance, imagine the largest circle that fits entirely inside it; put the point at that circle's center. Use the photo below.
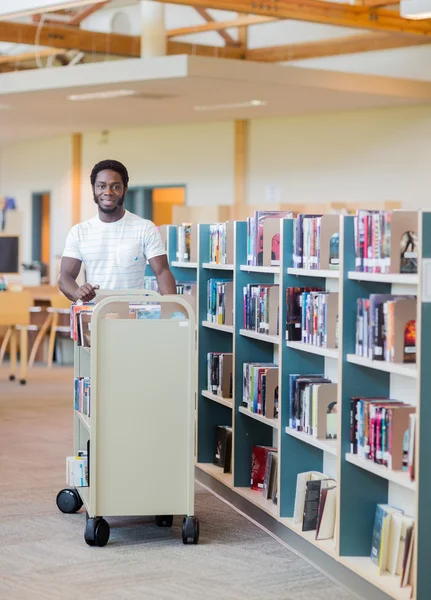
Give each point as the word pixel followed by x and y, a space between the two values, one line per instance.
pixel 115 245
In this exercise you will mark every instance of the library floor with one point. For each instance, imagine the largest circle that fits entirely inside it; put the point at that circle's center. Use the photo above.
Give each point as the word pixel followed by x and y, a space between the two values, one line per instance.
pixel 43 554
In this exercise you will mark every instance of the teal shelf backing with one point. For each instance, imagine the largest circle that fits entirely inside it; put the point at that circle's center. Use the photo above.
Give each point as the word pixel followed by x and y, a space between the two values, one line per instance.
pixel 210 413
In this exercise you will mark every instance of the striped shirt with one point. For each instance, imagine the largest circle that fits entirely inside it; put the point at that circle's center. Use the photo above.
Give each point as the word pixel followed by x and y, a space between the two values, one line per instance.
pixel 115 254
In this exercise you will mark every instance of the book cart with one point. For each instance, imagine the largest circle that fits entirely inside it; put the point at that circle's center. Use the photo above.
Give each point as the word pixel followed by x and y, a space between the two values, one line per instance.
pixel 139 437
pixel 361 484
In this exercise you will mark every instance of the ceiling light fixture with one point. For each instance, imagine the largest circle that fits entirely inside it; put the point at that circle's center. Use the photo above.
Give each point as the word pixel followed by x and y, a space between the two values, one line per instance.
pixel 23 8
pixel 248 104
pixel 102 95
pixel 415 9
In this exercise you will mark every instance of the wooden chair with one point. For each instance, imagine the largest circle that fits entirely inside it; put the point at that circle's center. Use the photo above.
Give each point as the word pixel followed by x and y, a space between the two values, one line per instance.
pixel 14 314
pixel 57 321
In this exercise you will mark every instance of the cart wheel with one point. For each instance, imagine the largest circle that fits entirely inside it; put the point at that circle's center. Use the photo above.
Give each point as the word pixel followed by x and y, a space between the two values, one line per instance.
pixel 69 501
pixel 190 530
pixel 11 377
pixel 164 520
pixel 97 532
pixel 22 381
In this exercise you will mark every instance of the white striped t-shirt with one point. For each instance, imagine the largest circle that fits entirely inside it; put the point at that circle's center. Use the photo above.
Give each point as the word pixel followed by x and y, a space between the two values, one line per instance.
pixel 115 254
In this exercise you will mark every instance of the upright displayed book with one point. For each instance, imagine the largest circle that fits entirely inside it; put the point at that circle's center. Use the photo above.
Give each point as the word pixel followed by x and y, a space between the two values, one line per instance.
pixel 255 236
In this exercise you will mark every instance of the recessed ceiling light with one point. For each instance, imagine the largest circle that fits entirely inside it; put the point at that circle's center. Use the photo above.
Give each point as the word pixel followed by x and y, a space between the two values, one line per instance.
pixel 248 104
pixel 23 8
pixel 102 95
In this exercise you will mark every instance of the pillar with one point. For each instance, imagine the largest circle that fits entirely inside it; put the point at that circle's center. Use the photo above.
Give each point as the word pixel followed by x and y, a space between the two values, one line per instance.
pixel 153 36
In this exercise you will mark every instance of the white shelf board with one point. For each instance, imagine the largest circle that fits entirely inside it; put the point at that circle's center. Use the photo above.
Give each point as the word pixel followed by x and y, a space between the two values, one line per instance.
pixel 271 422
pixel 401 278
pixel 252 269
pixel 327 546
pixel 381 365
pixel 271 339
pixel 327 273
pixel 226 328
pixel 224 401
pixel 390 584
pixel 328 352
pixel 217 473
pixel 217 266
pixel 84 419
pixel 329 446
pixel 400 478
pixel 256 498
pixel 184 265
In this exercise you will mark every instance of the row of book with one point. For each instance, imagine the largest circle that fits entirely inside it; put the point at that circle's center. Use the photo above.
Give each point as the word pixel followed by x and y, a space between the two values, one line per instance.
pixel 223 448
pixel 258 234
pixel 393 543
pixel 260 389
pixel 313 405
pixel 261 308
pixel 316 242
pixel 382 430
pixel 386 328
pixel 82 395
pixel 220 301
pixel 77 470
pixel 312 316
pixel 386 241
pixel 184 242
pixel 80 322
pixel 219 243
pixel 264 472
pixel 316 504
pixel 220 369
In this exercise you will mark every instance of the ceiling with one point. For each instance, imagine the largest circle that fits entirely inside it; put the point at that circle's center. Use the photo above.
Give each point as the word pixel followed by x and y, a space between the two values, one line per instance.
pixel 168 89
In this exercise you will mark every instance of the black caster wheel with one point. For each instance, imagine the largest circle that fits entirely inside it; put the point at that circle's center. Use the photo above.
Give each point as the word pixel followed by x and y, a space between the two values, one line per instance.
pixel 69 501
pixel 190 530
pixel 22 381
pixel 11 377
pixel 97 532
pixel 164 520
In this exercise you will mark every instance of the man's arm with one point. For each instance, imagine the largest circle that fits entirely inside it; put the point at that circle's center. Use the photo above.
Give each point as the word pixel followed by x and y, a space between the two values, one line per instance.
pixel 69 271
pixel 161 270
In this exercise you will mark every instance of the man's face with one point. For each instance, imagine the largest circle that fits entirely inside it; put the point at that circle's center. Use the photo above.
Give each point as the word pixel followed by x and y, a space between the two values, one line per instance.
pixel 109 191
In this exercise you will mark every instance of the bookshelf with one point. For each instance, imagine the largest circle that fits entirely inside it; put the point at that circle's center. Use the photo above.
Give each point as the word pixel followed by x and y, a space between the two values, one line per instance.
pixel 361 484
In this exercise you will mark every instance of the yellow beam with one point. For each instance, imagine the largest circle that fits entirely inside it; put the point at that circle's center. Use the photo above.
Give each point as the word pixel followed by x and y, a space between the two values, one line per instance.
pixel 219 25
pixel 28 56
pixel 240 161
pixel 316 11
pixel 229 41
pixel 76 177
pixel 334 47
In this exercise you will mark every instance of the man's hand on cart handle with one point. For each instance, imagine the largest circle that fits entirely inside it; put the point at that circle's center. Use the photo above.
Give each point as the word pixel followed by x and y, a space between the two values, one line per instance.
pixel 86 292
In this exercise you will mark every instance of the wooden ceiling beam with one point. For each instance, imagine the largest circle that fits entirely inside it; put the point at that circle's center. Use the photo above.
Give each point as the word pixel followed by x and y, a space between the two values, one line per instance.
pixel 335 47
pixel 241 21
pixel 87 12
pixel 228 39
pixel 316 11
pixel 29 56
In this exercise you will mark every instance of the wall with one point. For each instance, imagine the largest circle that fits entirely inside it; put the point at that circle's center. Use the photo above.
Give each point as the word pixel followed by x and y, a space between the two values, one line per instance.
pixel 40 166
pixel 199 156
pixel 367 155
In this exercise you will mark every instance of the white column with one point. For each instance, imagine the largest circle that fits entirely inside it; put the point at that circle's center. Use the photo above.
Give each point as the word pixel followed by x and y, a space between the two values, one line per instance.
pixel 153 37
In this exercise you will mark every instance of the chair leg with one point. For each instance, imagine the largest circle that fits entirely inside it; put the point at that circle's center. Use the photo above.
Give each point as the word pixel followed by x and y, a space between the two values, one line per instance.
pixel 13 354
pixel 51 344
pixel 39 338
pixel 5 344
pixel 23 355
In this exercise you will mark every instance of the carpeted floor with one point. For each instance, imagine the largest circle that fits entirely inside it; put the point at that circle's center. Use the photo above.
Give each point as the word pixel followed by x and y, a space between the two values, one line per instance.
pixel 43 554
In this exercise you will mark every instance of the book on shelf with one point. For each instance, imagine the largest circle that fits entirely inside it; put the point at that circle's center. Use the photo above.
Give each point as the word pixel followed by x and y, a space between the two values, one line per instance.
pixel 315 503
pixel 264 471
pixel 82 395
pixel 77 470
pixel 221 243
pixel 312 401
pixel 223 448
pixel 260 389
pixel 294 311
pixel 220 368
pixel 261 308
pixel 319 319
pixel 220 301
pixel 380 431
pixel 256 233
pixel 386 241
pixel 392 544
pixel 80 322
pixel 316 242
pixel 186 242
pixel 386 328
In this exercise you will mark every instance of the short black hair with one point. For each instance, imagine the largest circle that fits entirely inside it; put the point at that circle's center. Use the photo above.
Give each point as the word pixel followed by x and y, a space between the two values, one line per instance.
pixel 110 165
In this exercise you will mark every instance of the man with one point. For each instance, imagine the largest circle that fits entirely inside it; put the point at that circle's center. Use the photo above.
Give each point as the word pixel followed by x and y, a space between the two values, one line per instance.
pixel 115 245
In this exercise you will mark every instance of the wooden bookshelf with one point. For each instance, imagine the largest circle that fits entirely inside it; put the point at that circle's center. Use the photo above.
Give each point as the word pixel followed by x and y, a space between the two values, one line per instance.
pixel 216 326
pixel 224 401
pixel 217 266
pixel 298 452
